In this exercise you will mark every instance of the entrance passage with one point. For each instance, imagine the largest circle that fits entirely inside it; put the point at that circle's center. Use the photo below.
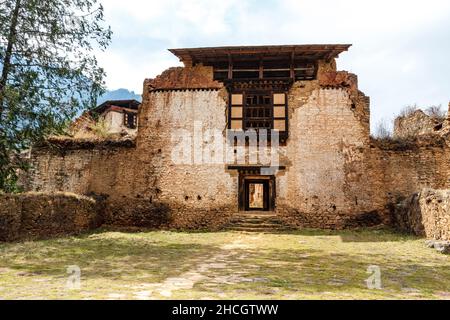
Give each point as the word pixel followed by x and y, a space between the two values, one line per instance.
pixel 257 193
pixel 256 196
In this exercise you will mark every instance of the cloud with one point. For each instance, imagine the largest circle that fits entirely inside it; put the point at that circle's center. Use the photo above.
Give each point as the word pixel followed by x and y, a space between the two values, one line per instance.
pixel 399 51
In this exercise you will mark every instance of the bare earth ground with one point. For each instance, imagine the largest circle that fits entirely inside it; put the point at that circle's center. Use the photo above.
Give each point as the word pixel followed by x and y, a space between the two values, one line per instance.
pixel 307 264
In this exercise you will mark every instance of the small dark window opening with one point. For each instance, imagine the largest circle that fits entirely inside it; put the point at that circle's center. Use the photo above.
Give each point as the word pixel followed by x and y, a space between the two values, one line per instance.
pixel 130 120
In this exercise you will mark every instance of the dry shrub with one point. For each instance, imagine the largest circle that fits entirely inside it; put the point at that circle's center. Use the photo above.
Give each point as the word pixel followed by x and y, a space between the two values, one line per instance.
pixel 436 112
pixel 100 128
pixel 408 110
pixel 382 130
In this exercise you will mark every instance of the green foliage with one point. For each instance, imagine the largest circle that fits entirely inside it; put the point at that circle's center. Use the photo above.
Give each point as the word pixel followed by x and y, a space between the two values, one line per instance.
pixel 48 72
pixel 100 128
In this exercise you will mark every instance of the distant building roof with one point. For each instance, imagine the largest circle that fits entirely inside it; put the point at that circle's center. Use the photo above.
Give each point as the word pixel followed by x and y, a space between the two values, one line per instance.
pixel 211 55
pixel 126 104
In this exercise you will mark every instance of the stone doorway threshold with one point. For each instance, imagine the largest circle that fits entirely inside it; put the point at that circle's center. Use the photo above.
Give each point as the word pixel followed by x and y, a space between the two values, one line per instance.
pixel 257 212
pixel 257 221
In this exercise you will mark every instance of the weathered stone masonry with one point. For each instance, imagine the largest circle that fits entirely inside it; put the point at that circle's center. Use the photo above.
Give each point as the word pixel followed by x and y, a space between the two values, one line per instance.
pixel 426 213
pixel 43 215
pixel 334 175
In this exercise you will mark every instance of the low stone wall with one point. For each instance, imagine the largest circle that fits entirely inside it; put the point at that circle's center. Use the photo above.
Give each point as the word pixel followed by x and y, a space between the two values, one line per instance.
pixel 332 221
pixel 45 215
pixel 425 214
pixel 133 212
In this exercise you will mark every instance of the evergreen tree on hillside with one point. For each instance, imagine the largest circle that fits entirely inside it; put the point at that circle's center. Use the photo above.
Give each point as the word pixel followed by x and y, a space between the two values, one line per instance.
pixel 48 71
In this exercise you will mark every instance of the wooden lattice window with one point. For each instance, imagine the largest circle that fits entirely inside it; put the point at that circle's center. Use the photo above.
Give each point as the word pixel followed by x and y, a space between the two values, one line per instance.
pixel 259 110
pixel 130 120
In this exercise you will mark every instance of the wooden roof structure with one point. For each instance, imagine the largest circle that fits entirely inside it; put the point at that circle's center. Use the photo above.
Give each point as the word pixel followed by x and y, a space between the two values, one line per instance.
pixel 212 55
pixel 123 104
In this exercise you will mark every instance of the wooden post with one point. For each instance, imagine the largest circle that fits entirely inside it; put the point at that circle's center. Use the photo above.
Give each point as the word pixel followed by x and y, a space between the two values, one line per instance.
pixel 230 67
pixel 292 66
pixel 261 68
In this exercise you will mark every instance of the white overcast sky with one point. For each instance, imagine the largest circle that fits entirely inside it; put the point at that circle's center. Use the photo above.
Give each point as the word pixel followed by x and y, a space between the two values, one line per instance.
pixel 401 48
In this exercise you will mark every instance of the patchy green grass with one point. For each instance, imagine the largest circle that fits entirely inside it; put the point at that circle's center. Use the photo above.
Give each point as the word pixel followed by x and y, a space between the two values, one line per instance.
pixel 307 264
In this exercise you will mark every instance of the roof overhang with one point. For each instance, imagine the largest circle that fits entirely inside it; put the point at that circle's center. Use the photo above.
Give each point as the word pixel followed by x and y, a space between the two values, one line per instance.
pixel 124 104
pixel 309 52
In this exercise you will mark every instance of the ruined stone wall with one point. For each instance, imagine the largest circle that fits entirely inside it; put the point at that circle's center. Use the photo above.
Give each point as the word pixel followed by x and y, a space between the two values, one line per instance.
pixel 324 155
pixel 172 119
pixel 326 183
pixel 416 124
pixel 400 169
pixel 144 187
pixel 80 169
pixel 44 215
pixel 335 175
pixel 426 214
pixel 175 121
pixel 126 177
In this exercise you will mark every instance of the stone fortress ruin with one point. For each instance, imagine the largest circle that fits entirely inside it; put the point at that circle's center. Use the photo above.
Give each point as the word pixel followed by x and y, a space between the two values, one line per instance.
pixel 273 130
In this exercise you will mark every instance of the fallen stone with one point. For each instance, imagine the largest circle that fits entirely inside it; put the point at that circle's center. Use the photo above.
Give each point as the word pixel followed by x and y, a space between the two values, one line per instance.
pixel 440 246
pixel 430 243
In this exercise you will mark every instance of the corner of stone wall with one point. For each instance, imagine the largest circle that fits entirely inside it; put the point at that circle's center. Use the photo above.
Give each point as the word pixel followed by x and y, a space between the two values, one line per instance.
pixel 184 78
pixel 329 77
pixel 324 66
pixel 425 214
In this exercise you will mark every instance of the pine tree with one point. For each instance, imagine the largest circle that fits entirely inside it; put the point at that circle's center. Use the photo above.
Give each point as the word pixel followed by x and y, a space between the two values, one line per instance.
pixel 48 71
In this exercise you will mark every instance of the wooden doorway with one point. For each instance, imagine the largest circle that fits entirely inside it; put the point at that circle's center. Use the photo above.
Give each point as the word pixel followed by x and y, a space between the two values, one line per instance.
pixel 257 193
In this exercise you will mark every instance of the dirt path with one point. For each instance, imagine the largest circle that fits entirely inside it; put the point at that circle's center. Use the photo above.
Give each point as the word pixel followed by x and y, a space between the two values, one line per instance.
pixel 229 254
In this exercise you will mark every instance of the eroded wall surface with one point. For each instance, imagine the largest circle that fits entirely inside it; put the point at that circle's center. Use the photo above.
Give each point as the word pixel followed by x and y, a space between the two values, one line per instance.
pixel 426 213
pixel 174 139
pixel 335 176
pixel 400 171
pixel 44 215
pixel 325 183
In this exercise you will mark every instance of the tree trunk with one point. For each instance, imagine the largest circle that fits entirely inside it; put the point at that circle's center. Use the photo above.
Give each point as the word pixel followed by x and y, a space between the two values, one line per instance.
pixel 8 54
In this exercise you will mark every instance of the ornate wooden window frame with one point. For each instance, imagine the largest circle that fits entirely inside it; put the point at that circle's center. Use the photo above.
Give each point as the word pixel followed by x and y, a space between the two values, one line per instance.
pixel 237 109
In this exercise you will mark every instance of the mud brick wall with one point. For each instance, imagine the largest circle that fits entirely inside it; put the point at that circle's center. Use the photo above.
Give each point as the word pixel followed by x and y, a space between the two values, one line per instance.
pixel 335 176
pixel 78 166
pixel 425 214
pixel 326 183
pixel 128 212
pixel 417 123
pixel 397 171
pixel 198 194
pixel 44 215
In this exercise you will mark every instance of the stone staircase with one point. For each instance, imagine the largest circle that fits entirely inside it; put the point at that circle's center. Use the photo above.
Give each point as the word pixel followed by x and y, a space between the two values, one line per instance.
pixel 257 221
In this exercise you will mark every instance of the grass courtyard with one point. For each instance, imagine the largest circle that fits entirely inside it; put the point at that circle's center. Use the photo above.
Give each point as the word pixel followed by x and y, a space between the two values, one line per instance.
pixel 306 264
